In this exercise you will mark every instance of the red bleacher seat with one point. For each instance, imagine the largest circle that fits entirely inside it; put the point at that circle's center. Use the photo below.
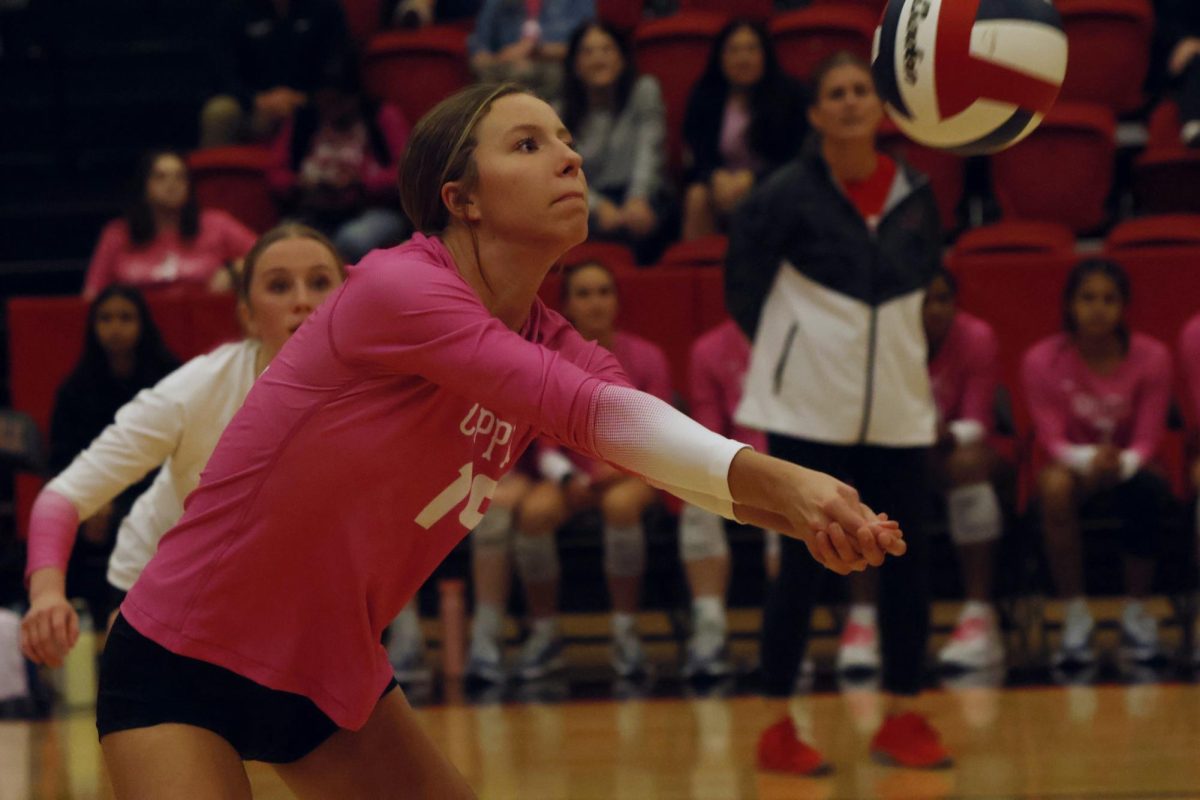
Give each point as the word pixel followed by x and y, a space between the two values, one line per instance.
pixel 945 170
pixel 417 68
pixel 624 15
pixel 760 10
pixel 1166 176
pixel 805 37
pixel 234 179
pixel 674 50
pixel 1063 171
pixel 1162 256
pixel 617 257
pixel 1109 51
pixel 1015 237
pixel 707 251
pixel 363 18
pixel 1166 230
pixel 45 335
pixel 874 6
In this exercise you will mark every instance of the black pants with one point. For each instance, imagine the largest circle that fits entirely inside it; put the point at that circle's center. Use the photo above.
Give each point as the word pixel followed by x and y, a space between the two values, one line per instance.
pixel 890 479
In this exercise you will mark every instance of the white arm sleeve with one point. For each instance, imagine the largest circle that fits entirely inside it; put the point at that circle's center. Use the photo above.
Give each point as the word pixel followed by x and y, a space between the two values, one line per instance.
pixel 722 508
pixel 640 433
pixel 146 430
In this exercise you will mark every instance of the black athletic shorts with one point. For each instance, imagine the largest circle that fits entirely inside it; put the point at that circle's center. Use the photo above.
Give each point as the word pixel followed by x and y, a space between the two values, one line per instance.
pixel 144 684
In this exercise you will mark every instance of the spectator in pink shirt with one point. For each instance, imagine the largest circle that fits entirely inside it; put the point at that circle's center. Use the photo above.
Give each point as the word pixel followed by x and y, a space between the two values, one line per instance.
pixel 365 452
pixel 962 373
pixel 716 373
pixel 165 239
pixel 1098 394
pixel 336 163
pixel 574 484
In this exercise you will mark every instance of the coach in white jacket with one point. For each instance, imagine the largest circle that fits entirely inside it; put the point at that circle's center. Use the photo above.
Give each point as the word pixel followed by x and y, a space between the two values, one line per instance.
pixel 826 272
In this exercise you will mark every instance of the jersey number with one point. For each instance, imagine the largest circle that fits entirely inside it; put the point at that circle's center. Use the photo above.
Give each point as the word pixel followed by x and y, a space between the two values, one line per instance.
pixel 474 490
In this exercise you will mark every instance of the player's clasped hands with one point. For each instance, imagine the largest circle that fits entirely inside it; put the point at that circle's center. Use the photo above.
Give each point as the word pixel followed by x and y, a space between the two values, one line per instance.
pixel 842 533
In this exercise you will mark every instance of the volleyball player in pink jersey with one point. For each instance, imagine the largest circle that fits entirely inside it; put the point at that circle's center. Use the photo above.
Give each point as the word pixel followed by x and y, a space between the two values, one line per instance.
pixel 1189 361
pixel 1098 395
pixel 962 374
pixel 574 484
pixel 717 368
pixel 363 454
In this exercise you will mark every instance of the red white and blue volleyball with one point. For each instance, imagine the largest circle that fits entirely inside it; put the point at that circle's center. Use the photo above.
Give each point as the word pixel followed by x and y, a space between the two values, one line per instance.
pixel 969 76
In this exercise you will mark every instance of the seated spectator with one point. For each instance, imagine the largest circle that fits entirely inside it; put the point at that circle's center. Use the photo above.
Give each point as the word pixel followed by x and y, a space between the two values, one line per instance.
pixel 123 353
pixel 164 239
pixel 576 484
pixel 419 13
pixel 526 41
pixel 1178 23
pixel 716 370
pixel 1189 360
pixel 962 372
pixel 619 123
pixel 267 58
pixel 745 117
pixel 337 163
pixel 1098 396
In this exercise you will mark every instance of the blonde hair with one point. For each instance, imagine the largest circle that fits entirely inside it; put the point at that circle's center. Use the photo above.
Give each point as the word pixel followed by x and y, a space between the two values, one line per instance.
pixel 288 230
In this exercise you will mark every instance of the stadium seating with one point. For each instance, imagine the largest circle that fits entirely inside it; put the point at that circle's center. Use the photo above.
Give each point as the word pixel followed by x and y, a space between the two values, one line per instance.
pixel 1166 175
pixel 805 37
pixel 613 255
pixel 1063 172
pixel 1109 53
pixel 945 170
pixel 624 15
pixel 707 251
pixel 363 18
pixel 674 50
pixel 416 68
pixel 760 10
pixel 235 179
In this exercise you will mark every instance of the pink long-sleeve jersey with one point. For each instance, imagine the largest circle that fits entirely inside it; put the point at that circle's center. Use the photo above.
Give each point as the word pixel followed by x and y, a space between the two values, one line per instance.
pixel 362 455
pixel 963 373
pixel 717 368
pixel 1189 361
pixel 1072 405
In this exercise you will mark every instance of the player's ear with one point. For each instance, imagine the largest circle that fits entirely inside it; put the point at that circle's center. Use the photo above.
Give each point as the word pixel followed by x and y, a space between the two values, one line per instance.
pixel 459 202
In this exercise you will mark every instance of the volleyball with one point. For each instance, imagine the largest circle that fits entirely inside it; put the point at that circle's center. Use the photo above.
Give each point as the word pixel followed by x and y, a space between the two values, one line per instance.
pixel 969 76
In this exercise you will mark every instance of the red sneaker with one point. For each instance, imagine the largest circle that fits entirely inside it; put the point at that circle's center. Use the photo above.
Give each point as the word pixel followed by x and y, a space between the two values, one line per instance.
pixel 908 740
pixel 781 750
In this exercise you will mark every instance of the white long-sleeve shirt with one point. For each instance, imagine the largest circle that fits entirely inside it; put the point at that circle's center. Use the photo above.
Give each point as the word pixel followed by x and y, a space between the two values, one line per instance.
pixel 176 425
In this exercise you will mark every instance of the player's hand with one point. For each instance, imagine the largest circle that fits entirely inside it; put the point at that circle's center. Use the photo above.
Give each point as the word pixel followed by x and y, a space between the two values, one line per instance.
pixel 49 630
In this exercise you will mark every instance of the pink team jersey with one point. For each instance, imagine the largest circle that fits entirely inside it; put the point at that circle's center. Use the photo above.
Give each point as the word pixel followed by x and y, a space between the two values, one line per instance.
pixel 717 368
pixel 364 453
pixel 168 260
pixel 1189 359
pixel 963 373
pixel 1072 405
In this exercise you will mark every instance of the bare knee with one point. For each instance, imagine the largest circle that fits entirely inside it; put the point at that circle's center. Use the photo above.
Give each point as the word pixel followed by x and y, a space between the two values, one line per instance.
pixel 511 490
pixel 542 511
pixel 968 464
pixel 625 502
pixel 1056 487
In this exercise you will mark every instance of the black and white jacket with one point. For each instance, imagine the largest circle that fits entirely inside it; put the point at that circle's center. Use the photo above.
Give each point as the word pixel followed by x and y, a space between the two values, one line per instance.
pixel 834 308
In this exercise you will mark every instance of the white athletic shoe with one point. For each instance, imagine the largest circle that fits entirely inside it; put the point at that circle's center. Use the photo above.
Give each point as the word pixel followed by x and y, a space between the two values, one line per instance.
pixel 707 654
pixel 858 648
pixel 1076 647
pixel 541 655
pixel 484 661
pixel 628 657
pixel 975 644
pixel 1139 635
